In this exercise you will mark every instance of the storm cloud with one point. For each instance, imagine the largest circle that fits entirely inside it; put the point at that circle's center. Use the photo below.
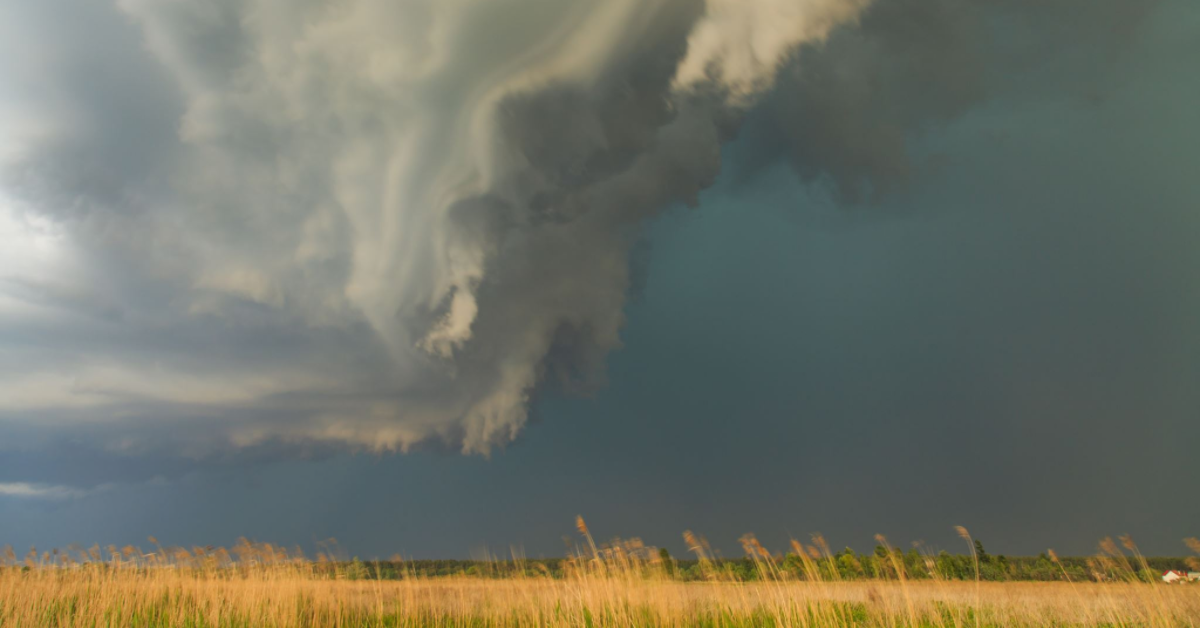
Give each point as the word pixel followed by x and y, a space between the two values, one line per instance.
pixel 883 268
pixel 365 224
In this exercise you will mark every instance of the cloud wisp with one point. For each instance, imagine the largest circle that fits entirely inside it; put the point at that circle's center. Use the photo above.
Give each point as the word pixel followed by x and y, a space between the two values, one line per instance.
pixel 23 490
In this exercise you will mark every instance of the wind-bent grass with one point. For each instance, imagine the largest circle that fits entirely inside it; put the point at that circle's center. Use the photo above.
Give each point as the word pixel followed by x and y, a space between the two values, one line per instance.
pixel 619 584
pixel 92 598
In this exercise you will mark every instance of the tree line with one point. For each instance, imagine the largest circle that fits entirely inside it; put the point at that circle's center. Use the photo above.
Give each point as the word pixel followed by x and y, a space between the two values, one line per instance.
pixel 882 563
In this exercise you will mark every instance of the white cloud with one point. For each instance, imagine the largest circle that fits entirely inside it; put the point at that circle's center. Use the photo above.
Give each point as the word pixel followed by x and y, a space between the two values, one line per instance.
pixel 741 43
pixel 21 490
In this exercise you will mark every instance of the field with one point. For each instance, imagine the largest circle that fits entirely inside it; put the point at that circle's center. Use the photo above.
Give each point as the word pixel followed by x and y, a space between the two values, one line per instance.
pixel 618 584
pixel 179 600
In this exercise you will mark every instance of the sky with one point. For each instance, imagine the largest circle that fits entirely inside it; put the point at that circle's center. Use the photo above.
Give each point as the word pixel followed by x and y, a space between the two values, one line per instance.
pixel 434 278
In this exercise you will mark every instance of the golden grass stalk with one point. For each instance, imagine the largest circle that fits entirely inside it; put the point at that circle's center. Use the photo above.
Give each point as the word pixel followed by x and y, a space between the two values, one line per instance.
pixel 620 583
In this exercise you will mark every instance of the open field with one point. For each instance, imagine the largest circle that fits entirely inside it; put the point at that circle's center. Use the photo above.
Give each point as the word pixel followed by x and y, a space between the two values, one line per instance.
pixel 622 583
pixel 93 598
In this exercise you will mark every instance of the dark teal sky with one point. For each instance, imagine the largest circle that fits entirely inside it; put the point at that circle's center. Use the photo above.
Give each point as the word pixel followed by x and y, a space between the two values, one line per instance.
pixel 1005 337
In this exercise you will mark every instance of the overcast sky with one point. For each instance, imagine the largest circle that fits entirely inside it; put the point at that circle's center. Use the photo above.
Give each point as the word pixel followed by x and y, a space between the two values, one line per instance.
pixel 435 277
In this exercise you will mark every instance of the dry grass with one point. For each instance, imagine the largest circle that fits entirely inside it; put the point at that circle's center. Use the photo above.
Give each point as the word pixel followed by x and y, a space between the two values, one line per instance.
pixel 618 584
pixel 172 598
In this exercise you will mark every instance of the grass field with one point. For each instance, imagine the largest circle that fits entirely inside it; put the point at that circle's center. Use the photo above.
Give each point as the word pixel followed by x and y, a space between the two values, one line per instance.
pixel 174 599
pixel 616 584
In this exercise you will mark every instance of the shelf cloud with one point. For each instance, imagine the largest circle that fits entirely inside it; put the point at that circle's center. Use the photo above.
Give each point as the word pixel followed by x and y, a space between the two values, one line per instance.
pixel 303 227
pixel 359 224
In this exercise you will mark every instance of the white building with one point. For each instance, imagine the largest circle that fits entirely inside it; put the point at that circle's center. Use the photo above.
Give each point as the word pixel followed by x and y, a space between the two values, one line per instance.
pixel 1172 575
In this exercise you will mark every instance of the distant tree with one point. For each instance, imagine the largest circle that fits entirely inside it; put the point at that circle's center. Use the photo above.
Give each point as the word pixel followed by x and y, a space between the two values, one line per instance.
pixel 914 564
pixel 356 570
pixel 949 566
pixel 1002 562
pixel 979 551
pixel 848 566
pixel 793 565
pixel 668 564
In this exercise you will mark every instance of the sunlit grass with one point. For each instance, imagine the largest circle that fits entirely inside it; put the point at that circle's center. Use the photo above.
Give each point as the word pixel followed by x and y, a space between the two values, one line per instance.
pixel 623 583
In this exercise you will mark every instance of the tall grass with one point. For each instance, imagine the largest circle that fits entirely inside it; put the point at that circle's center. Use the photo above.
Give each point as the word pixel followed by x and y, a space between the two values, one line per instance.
pixel 622 583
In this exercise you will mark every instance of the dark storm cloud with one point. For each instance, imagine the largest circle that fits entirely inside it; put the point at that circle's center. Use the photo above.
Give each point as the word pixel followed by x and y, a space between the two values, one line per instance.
pixel 1006 340
pixel 260 241
pixel 246 227
pixel 846 112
